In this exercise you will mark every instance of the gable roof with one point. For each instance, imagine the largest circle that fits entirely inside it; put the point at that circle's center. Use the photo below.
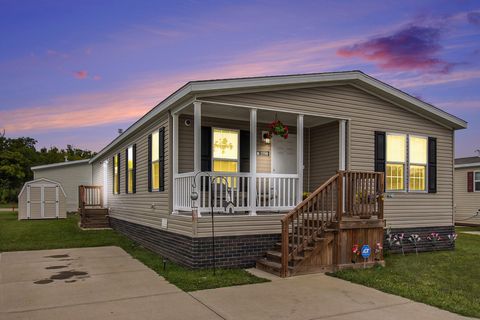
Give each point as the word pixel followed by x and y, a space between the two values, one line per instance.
pixel 467 162
pixel 42 180
pixel 60 164
pixel 355 77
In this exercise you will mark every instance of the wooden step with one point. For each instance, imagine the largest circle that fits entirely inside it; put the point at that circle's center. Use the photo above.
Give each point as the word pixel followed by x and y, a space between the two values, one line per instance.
pixel 269 266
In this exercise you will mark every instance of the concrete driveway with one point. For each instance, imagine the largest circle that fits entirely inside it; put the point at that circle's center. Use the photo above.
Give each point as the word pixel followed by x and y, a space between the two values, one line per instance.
pixel 106 283
pixel 88 283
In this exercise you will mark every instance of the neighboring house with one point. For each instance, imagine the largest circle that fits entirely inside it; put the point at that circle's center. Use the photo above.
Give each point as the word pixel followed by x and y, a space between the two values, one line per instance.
pixel 70 174
pixel 209 140
pixel 467 191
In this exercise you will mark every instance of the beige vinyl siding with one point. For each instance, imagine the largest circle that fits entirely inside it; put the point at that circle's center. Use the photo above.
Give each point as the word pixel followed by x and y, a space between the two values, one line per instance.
pixel 366 114
pixel 466 203
pixel 239 225
pixel 70 177
pixel 324 153
pixel 143 207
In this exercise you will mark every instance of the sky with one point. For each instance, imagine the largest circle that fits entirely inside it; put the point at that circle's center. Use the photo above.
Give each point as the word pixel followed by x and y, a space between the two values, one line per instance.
pixel 73 72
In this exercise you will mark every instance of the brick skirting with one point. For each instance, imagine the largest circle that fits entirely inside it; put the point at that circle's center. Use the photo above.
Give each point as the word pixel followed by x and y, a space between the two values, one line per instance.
pixel 196 252
pixel 424 245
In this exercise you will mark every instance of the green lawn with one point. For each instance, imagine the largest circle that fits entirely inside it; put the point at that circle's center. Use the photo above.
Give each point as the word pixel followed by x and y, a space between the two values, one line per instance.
pixel 51 234
pixel 8 205
pixel 448 280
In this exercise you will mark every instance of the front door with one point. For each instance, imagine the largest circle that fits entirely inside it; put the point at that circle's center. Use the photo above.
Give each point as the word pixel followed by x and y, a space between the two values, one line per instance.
pixel 284 154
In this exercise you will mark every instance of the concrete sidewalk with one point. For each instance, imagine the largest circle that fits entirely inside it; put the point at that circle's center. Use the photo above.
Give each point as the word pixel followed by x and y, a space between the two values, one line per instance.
pixel 106 283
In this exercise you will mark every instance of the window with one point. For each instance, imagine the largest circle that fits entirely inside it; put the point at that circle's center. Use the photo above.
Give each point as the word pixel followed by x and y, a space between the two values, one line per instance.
pixel 116 174
pixel 130 169
pixel 155 161
pixel 395 166
pixel 476 181
pixel 417 157
pixel 225 150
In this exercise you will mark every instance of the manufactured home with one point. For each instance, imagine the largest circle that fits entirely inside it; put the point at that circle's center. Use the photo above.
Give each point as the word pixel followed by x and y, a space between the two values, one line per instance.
pixel 467 191
pixel 286 172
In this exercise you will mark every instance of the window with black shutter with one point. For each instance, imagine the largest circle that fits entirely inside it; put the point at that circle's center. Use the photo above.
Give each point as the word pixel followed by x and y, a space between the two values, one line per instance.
pixel 432 165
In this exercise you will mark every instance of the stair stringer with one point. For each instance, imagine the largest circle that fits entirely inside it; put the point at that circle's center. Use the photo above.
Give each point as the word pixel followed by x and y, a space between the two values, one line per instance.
pixel 320 259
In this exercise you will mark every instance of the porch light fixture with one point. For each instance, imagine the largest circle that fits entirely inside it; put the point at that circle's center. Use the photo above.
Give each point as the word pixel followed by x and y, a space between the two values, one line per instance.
pixel 266 137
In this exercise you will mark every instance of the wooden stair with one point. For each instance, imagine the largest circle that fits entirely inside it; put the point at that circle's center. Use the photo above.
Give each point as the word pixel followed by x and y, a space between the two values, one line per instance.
pixel 314 239
pixel 94 218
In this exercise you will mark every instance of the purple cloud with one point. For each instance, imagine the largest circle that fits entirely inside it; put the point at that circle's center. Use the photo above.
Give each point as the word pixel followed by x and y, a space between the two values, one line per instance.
pixel 412 48
pixel 474 18
pixel 81 74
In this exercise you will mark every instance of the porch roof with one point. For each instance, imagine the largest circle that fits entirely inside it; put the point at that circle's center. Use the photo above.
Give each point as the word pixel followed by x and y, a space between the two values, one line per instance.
pixel 357 78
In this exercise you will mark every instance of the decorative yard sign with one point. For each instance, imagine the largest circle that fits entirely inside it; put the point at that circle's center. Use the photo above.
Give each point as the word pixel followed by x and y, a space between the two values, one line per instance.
pixel 365 254
pixel 365 251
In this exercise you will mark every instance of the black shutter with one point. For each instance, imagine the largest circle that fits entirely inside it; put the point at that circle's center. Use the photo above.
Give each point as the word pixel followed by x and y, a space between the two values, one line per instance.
pixel 161 158
pixel 380 151
pixel 432 165
pixel 113 174
pixel 244 151
pixel 206 149
pixel 149 165
pixel 134 172
pixel 126 170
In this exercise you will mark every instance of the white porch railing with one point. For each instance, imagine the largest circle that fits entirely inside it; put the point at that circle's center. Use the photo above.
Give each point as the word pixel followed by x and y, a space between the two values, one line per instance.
pixel 274 191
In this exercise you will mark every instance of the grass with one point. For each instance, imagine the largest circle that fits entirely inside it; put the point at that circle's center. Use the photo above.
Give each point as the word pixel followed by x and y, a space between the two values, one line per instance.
pixel 449 280
pixel 53 234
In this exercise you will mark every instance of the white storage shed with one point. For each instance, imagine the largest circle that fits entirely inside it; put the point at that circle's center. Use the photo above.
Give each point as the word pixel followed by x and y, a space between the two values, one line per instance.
pixel 42 199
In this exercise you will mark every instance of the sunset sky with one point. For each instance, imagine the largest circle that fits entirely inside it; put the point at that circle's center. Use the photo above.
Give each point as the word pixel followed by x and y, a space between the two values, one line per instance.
pixel 72 72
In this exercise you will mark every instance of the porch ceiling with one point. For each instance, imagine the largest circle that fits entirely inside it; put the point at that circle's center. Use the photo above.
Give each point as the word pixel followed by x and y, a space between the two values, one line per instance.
pixel 263 116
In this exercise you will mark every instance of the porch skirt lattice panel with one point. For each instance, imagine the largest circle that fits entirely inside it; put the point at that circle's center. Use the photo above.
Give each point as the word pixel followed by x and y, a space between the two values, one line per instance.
pixel 196 252
pixel 424 245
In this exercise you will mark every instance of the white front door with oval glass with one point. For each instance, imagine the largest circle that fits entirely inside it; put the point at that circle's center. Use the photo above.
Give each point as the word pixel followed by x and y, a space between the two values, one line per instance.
pixel 284 154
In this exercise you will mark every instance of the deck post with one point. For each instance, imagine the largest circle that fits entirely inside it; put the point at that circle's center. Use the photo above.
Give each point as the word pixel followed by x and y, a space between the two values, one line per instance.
pixel 253 162
pixel 300 157
pixel 342 152
pixel 175 160
pixel 197 142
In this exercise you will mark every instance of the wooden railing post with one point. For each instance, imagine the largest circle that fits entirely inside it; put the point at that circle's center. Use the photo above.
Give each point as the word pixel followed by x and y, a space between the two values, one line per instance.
pixel 285 235
pixel 340 195
pixel 381 188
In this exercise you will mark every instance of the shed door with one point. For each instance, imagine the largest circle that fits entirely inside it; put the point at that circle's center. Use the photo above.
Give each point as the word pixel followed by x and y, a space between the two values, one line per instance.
pixel 42 201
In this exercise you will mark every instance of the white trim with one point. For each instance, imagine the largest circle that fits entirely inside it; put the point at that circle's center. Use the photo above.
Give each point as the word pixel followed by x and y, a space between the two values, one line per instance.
pixel 197 132
pixel 348 77
pixel 467 165
pixel 405 163
pixel 57 202
pixel 105 183
pixel 474 181
pixel 253 161
pixel 28 202
pixel 42 201
pixel 342 136
pixel 417 164
pixel 60 164
pixel 300 157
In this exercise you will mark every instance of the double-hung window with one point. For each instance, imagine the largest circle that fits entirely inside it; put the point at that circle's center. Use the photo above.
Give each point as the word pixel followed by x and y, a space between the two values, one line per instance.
pixel 116 174
pixel 155 161
pixel 130 169
pixel 396 161
pixel 476 181
pixel 226 152
pixel 417 154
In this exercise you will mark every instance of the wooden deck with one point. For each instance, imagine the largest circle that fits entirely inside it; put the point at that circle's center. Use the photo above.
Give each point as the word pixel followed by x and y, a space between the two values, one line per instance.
pixel 90 207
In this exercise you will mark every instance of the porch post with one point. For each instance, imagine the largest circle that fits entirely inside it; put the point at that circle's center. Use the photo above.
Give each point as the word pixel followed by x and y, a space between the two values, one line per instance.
pixel 175 159
pixel 197 142
pixel 342 143
pixel 253 162
pixel 300 157
pixel 197 145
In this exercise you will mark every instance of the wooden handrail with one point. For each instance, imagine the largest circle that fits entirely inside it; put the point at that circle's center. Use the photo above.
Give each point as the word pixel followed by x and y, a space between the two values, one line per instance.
pixel 89 196
pixel 347 193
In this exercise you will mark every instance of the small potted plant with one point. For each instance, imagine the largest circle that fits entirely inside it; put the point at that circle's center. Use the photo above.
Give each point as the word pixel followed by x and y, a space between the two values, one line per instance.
pixel 279 129
pixel 363 199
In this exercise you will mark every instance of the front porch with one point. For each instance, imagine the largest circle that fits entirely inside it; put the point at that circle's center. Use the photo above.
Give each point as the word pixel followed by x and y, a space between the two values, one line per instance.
pixel 266 175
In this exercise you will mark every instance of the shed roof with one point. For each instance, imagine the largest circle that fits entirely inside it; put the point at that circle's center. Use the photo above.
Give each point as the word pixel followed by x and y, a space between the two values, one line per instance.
pixel 467 162
pixel 60 164
pixel 355 77
pixel 44 180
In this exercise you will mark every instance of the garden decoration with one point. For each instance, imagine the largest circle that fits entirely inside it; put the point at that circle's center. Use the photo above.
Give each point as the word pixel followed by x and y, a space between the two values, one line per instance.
pixel 390 238
pixel 415 239
pixel 278 128
pixel 451 238
pixel 399 241
pixel 434 238
pixel 356 253
pixel 378 251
